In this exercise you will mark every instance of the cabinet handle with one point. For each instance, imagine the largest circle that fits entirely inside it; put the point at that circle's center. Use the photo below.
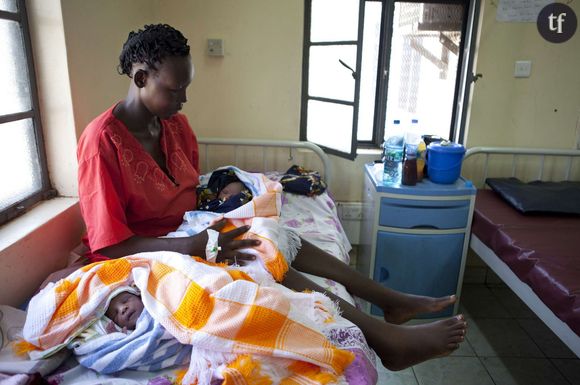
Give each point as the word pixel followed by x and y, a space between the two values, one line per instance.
pixel 425 227
pixel 383 274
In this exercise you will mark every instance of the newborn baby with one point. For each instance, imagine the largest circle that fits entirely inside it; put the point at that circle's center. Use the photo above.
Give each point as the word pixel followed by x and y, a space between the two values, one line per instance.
pixel 224 192
pixel 125 309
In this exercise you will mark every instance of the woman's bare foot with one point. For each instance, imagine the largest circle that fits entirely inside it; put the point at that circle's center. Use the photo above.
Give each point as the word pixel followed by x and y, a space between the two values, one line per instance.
pixel 408 306
pixel 401 346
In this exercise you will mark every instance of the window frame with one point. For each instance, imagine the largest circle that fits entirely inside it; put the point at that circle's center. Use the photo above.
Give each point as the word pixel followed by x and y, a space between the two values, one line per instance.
pixel 46 191
pixel 307 43
pixel 463 82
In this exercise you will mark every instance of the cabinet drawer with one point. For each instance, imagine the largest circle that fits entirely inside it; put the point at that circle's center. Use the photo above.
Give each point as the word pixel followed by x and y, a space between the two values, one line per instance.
pixel 419 264
pixel 425 214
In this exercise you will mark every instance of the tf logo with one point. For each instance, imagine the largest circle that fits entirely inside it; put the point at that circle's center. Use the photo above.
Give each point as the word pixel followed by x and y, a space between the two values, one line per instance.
pixel 557 22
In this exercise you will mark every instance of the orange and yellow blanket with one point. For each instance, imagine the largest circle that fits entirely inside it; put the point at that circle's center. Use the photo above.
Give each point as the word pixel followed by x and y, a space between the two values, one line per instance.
pixel 240 330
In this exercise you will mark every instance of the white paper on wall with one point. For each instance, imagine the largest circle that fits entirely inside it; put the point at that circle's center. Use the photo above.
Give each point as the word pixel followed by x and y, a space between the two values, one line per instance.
pixel 521 11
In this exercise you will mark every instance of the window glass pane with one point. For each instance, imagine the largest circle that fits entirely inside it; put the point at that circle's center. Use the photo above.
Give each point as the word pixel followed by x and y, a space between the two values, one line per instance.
pixel 330 125
pixel 370 58
pixel 423 66
pixel 15 94
pixel 328 78
pixel 8 5
pixel 332 20
pixel 18 149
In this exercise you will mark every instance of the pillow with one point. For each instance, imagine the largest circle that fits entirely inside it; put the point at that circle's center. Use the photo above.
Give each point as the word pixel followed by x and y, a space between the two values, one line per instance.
pixel 538 197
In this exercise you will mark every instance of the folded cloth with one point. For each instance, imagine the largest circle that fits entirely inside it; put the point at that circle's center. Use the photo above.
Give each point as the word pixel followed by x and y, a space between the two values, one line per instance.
pixel 278 246
pixel 235 326
pixel 303 182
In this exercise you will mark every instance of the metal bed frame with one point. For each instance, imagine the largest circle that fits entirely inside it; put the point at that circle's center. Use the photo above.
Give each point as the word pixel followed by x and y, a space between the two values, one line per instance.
pixel 518 153
pixel 238 144
pixel 521 289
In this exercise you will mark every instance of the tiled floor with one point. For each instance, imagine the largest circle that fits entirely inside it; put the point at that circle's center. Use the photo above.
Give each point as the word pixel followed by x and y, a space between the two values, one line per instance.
pixel 506 344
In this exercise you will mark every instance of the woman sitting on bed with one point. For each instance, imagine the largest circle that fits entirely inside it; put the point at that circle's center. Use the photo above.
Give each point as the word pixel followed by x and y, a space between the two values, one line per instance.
pixel 138 172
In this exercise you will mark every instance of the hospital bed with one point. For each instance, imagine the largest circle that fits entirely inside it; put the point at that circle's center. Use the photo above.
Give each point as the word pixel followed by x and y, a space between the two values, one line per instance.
pixel 314 218
pixel 534 253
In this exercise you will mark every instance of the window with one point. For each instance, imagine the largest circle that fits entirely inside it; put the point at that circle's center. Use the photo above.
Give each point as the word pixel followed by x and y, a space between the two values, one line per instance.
pixel 22 161
pixel 369 63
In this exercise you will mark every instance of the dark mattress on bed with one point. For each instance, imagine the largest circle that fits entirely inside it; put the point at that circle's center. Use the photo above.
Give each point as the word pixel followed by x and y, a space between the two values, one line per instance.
pixel 542 250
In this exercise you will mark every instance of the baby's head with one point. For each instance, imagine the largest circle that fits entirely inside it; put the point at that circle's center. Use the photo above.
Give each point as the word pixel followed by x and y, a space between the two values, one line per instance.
pixel 223 193
pixel 125 309
pixel 231 189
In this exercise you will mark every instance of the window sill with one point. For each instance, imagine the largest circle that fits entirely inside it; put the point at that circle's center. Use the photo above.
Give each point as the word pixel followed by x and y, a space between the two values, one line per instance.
pixel 35 245
pixel 368 151
pixel 19 228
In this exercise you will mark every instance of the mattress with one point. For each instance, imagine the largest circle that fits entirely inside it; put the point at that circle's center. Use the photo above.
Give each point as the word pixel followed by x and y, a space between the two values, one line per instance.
pixel 540 249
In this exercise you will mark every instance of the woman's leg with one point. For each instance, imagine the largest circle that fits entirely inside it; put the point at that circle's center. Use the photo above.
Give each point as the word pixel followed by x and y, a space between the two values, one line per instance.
pixel 398 307
pixel 398 346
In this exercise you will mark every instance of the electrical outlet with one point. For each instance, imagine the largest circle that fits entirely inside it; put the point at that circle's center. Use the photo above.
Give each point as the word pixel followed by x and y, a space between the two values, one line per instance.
pixel 523 69
pixel 350 210
pixel 215 47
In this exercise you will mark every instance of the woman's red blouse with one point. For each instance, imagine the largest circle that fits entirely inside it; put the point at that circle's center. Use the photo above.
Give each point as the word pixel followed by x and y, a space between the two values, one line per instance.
pixel 123 191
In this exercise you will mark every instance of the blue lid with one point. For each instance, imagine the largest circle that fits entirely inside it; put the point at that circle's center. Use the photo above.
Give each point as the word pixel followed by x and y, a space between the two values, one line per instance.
pixel 396 121
pixel 414 121
pixel 446 146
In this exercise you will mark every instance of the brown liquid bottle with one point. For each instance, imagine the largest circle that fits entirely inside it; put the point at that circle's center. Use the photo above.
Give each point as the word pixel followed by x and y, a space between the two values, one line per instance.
pixel 409 177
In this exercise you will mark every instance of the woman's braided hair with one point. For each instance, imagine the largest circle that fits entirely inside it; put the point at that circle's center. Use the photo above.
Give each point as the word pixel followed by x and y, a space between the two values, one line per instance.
pixel 151 45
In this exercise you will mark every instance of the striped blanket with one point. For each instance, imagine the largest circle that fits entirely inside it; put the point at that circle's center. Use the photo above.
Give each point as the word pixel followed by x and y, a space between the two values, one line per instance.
pixel 279 245
pixel 239 330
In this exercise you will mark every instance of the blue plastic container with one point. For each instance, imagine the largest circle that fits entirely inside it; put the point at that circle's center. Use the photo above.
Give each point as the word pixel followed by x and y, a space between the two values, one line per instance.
pixel 444 162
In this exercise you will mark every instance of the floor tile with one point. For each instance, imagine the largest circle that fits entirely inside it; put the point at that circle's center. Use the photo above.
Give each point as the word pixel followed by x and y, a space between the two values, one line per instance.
pixel 512 303
pixel 479 302
pixel 500 337
pixel 518 371
pixel 464 350
pixel 547 341
pixel 570 369
pixel 452 370
pixel 402 377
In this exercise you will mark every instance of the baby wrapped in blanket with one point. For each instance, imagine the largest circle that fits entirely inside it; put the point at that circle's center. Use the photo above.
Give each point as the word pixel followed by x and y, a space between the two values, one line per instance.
pixel 245 198
pixel 221 321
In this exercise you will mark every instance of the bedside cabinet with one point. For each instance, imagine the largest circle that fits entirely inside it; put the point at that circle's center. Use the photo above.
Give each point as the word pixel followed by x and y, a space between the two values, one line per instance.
pixel 414 239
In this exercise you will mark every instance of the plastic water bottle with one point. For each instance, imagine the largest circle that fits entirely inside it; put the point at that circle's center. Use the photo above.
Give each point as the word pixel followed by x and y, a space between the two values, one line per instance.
pixel 415 126
pixel 392 159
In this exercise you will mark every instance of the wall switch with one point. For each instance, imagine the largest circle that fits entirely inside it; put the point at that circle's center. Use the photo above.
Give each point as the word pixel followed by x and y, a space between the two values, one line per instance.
pixel 215 47
pixel 523 69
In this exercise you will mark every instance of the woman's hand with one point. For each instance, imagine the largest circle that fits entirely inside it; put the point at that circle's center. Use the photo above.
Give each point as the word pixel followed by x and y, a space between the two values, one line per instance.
pixel 230 246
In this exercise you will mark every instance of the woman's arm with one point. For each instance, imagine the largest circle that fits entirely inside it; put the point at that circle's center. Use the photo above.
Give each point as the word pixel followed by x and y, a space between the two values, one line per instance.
pixel 194 245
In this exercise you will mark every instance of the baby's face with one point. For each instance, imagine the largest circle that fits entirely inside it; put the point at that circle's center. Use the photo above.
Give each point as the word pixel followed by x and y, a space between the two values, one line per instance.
pixel 230 190
pixel 125 309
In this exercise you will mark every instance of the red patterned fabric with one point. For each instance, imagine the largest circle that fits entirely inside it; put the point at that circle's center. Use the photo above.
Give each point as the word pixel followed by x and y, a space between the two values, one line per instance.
pixel 123 191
